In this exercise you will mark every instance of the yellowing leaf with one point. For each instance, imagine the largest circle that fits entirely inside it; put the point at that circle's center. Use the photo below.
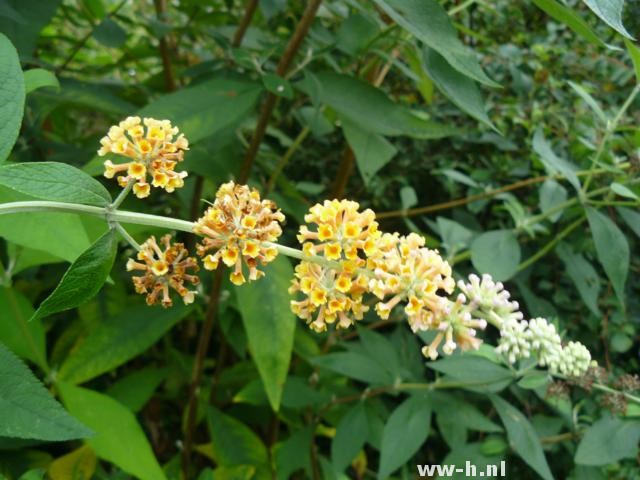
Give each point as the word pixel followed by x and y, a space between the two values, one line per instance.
pixel 77 465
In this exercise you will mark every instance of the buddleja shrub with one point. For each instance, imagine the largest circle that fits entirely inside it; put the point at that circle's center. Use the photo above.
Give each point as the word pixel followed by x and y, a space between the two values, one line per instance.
pixel 497 383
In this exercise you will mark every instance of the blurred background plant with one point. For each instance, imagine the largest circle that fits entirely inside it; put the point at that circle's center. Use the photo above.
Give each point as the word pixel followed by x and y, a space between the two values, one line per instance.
pixel 504 132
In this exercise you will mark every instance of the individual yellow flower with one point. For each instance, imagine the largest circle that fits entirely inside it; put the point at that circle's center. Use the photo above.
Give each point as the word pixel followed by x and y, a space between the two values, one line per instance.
pixel 164 270
pixel 404 270
pixel 235 228
pixel 329 296
pixel 154 154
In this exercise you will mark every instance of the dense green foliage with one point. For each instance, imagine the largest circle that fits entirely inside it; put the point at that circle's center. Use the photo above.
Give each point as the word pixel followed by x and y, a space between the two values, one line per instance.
pixel 506 133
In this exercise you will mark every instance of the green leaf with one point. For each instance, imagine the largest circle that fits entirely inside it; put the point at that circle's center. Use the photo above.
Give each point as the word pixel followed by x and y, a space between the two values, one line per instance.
pixel 293 454
pixel 522 437
pixel 404 433
pixel 610 11
pixel 203 109
pixel 59 234
pixel 500 266
pixel 356 33
pixel 623 191
pixel 119 438
pixel 39 78
pixel 234 443
pixel 28 409
pixel 534 379
pixel 590 101
pixel 351 435
pixel 110 34
pixel 608 440
pixel 54 181
pixel 27 340
pixel 429 22
pixel 277 85
pixel 35 14
pixel 368 107
pixel 463 412
pixel 458 88
pixel 631 218
pixel 552 194
pixel 554 164
pixel 583 275
pixel 11 96
pixel 270 325
pixel 474 372
pixel 634 53
pixel 372 151
pixel 83 279
pixel 352 365
pixel 570 18
pixel 612 249
pixel 135 389
pixel 117 341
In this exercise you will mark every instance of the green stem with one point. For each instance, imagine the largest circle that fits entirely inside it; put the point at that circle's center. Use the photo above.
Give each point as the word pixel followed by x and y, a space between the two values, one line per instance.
pixel 123 194
pixel 127 237
pixel 605 388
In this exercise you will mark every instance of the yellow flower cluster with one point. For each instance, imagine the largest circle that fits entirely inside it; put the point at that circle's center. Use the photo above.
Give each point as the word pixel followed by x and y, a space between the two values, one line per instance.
pixel 405 270
pixel 163 270
pixel 153 151
pixel 343 237
pixel 236 227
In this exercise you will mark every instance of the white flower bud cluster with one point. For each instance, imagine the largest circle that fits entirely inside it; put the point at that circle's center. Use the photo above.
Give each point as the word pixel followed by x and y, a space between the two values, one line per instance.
pixel 490 297
pixel 520 339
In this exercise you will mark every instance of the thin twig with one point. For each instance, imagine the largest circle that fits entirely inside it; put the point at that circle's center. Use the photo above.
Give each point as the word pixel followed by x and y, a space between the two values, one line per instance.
pixel 270 100
pixel 244 23
pixel 165 49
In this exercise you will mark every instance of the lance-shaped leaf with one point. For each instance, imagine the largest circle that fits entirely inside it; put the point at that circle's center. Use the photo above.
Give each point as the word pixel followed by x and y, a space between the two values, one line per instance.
pixel 54 181
pixel 83 279
pixel 610 11
pixel 11 96
pixel 28 409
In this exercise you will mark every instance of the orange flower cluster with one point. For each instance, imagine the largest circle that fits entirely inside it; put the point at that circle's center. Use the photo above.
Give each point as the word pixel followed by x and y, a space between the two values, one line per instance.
pixel 153 151
pixel 164 270
pixel 236 228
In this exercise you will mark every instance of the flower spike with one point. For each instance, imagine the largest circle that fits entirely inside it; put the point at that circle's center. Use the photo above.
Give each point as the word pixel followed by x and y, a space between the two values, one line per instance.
pixel 153 151
pixel 164 270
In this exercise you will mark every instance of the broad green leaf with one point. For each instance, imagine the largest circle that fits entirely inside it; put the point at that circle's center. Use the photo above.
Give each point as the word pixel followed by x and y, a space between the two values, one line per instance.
pixel 610 11
pixel 54 181
pixel 552 194
pixel 23 338
pixel 119 438
pixel 118 340
pixel 631 218
pixel 474 372
pixel 457 87
pixel 28 409
pixel 497 253
pixel 351 435
pixel 522 437
pixel 473 454
pixel 608 440
pixel 236 444
pixel 429 22
pixel 35 14
pixel 135 389
pixel 381 351
pixel 554 164
pixel 353 365
pixel 404 433
pixel 583 275
pixel 634 53
pixel 534 379
pixel 368 107
pixel 372 151
pixel 110 34
pixel 77 465
pixel 83 279
pixel 293 454
pixel 39 78
pixel 623 191
pixel 203 109
pixel 463 412
pixel 270 326
pixel 11 96
pixel 571 19
pixel 277 85
pixel 612 248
